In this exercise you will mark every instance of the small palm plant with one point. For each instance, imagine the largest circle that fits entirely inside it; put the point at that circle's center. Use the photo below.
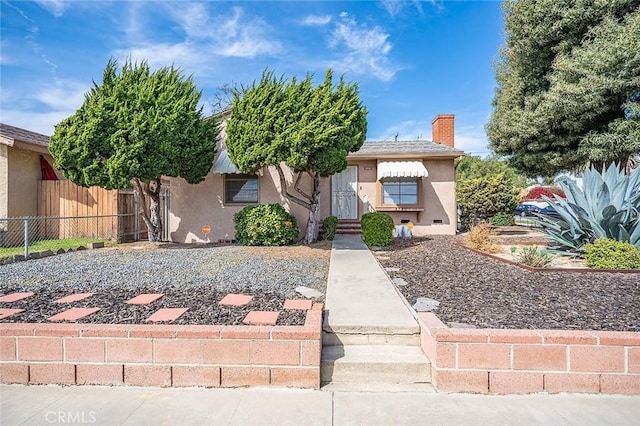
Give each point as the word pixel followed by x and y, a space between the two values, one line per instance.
pixel 607 206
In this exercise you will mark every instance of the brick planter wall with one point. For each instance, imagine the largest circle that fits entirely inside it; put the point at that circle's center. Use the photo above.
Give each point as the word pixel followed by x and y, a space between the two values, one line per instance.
pixel 527 361
pixel 163 355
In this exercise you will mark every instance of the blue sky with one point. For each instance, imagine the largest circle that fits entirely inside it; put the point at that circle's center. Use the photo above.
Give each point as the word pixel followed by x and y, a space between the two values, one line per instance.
pixel 412 59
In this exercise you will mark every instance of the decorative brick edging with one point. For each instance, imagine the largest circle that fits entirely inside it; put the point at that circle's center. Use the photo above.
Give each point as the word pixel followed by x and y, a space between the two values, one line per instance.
pixel 526 361
pixel 163 355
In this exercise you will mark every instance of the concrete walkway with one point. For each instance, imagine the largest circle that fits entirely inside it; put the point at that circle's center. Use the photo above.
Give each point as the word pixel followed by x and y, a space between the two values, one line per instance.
pixel 360 296
pixel 39 405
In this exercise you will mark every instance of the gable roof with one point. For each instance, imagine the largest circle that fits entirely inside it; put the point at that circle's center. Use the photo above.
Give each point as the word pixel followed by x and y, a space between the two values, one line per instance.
pixel 395 149
pixel 24 139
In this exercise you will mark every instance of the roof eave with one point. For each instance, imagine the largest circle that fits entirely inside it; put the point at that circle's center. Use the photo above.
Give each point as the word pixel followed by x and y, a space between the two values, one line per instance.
pixel 425 155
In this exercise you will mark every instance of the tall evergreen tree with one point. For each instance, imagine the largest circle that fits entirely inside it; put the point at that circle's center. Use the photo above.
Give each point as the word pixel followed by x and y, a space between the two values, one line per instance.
pixel 309 129
pixel 134 128
pixel 568 84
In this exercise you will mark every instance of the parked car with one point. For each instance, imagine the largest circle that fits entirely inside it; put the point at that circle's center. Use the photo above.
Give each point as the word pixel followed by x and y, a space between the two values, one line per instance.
pixel 526 210
pixel 549 211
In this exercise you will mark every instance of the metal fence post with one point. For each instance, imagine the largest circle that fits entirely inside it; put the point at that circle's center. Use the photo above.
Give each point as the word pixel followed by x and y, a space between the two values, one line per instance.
pixel 26 238
pixel 136 224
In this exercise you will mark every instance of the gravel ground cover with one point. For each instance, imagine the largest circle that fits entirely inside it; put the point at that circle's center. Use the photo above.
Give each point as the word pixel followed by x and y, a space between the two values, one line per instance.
pixel 190 277
pixel 487 293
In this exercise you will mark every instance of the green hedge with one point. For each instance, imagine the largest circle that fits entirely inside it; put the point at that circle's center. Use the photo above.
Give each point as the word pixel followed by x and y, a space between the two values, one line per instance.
pixel 265 225
pixel 330 225
pixel 501 219
pixel 377 229
pixel 611 254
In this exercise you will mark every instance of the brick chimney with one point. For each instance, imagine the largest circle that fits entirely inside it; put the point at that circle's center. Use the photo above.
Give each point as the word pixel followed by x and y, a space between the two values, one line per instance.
pixel 442 130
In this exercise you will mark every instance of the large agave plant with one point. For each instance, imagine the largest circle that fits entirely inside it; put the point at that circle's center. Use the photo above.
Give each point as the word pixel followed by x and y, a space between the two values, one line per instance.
pixel 606 207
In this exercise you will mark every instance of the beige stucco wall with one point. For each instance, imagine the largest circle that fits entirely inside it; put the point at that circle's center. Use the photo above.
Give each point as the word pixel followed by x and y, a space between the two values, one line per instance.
pixel 193 206
pixel 437 196
pixel 4 180
pixel 23 176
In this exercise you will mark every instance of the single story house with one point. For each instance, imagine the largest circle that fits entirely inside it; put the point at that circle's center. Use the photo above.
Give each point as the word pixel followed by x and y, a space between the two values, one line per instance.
pixel 23 155
pixel 411 180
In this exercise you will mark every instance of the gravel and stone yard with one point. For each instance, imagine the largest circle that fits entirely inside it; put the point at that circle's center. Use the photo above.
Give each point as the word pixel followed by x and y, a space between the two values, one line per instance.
pixel 189 277
pixel 482 292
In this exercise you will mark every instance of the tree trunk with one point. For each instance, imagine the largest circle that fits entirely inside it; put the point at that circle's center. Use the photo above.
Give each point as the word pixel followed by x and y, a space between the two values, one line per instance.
pixel 150 192
pixel 314 211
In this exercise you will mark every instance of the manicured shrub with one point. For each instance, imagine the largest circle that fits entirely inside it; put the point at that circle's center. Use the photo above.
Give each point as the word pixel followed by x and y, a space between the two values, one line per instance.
pixel 606 253
pixel 377 229
pixel 534 256
pixel 501 219
pixel 265 225
pixel 479 238
pixel 330 225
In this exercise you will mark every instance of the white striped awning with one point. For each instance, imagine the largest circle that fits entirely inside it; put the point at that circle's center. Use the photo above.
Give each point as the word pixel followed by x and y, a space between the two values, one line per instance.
pixel 223 164
pixel 388 169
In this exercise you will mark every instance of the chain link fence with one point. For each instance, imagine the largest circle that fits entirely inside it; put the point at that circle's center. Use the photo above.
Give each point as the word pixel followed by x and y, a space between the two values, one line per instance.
pixel 24 235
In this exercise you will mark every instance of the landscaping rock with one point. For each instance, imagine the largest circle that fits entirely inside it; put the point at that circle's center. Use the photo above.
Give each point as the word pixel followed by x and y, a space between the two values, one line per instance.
pixel 399 282
pixel 61 251
pixel 454 324
pixel 18 258
pixel 309 293
pixel 424 304
pixel 488 293
pixel 96 245
pixel 46 253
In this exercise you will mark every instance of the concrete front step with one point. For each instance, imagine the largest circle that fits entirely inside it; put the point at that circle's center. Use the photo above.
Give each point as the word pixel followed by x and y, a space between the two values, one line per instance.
pixel 370 338
pixel 374 363
pixel 377 387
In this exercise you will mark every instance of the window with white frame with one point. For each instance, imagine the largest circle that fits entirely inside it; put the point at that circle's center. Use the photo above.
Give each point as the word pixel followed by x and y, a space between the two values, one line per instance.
pixel 400 191
pixel 240 189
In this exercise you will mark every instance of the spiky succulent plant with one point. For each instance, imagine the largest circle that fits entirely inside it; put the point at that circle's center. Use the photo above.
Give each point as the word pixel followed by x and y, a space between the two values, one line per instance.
pixel 607 206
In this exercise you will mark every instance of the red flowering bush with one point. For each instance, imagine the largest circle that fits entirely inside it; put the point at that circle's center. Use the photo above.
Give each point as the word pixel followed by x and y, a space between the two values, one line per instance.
pixel 537 192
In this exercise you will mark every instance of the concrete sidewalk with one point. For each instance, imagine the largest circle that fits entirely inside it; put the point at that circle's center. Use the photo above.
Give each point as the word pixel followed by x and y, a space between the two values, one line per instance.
pixel 360 296
pixel 38 405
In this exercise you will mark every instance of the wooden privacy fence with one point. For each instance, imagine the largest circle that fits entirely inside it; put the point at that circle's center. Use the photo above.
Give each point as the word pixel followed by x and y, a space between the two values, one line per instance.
pixel 100 213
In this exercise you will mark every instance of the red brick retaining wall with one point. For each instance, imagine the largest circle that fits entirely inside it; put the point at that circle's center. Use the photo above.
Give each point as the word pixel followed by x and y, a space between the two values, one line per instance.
pixel 526 361
pixel 163 355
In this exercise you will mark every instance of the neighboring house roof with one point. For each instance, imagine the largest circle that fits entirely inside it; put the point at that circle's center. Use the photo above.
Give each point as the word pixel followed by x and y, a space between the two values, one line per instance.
pixel 397 149
pixel 23 139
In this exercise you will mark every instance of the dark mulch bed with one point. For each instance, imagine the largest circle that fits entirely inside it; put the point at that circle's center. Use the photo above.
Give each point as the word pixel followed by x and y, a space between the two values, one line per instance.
pixel 202 303
pixel 488 293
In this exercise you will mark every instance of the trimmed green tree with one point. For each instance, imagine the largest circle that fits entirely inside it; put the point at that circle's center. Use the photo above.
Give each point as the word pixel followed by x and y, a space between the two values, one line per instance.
pixel 568 85
pixel 309 129
pixel 134 128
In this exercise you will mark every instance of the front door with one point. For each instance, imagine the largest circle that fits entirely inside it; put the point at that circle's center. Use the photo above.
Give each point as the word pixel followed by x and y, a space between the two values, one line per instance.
pixel 344 189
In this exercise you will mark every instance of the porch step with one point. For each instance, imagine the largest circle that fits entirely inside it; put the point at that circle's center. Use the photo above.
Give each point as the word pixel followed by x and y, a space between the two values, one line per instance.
pixel 349 227
pixel 337 338
pixel 377 387
pixel 381 364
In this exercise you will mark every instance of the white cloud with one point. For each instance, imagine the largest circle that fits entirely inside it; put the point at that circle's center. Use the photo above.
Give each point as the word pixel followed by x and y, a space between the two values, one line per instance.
pixel 65 96
pixel 207 38
pixel 183 55
pixel 56 102
pixel 316 20
pixel 395 7
pixel 472 139
pixel 55 7
pixel 366 49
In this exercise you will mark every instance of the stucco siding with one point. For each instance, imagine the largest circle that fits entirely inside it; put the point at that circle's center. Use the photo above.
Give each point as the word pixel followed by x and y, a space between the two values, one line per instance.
pixel 23 176
pixel 193 206
pixel 4 180
pixel 437 197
